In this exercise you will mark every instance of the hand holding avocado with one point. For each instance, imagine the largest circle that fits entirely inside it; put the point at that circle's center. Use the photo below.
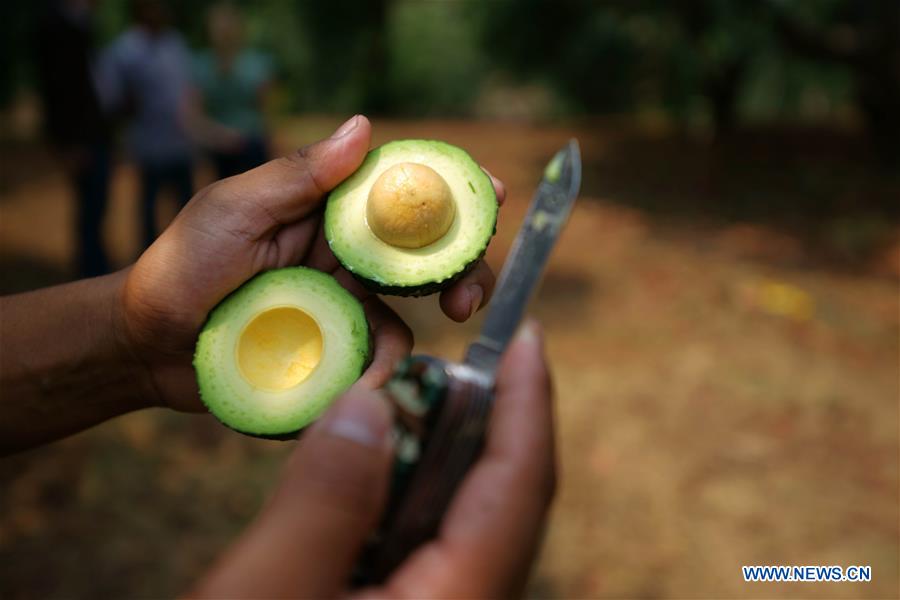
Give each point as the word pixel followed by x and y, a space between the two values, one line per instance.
pixel 274 354
pixel 133 332
pixel 264 219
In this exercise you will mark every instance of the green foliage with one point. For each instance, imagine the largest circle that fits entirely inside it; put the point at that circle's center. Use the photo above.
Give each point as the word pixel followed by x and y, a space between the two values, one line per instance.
pixel 16 41
pixel 580 48
pixel 709 61
pixel 383 57
pixel 436 65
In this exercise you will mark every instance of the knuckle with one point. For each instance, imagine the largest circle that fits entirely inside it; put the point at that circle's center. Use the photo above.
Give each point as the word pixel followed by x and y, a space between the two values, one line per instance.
pixel 303 160
pixel 298 157
pixel 208 193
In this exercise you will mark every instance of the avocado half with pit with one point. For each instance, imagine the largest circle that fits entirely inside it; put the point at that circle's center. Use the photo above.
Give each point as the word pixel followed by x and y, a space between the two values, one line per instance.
pixel 415 216
pixel 274 354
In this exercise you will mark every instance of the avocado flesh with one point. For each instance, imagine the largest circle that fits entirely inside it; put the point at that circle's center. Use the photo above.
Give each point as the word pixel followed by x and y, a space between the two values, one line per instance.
pixel 388 269
pixel 276 352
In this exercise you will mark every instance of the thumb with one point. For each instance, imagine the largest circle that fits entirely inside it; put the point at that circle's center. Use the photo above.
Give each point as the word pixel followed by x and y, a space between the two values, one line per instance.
pixel 305 542
pixel 289 188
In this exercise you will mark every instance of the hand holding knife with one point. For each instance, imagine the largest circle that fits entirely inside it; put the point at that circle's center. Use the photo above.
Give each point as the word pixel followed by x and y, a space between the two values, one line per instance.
pixel 443 408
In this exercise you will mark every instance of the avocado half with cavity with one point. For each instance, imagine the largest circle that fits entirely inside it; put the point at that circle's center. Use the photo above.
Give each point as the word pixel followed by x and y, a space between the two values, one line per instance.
pixel 274 354
pixel 415 216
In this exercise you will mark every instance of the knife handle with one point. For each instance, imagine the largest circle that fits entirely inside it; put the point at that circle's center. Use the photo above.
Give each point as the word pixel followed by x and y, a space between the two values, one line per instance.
pixel 441 413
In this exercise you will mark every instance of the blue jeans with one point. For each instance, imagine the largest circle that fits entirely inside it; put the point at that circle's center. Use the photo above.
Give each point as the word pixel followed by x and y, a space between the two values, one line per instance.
pixel 91 183
pixel 175 174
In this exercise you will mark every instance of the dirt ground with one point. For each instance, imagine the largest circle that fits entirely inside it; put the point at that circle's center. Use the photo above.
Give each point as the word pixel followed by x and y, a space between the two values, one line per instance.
pixel 723 326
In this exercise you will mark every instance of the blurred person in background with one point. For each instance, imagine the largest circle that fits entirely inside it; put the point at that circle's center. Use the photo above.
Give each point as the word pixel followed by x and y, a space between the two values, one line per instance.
pixel 145 77
pixel 74 120
pixel 232 83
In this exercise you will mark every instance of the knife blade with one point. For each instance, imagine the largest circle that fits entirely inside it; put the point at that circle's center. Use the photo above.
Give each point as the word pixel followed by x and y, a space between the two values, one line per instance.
pixel 522 270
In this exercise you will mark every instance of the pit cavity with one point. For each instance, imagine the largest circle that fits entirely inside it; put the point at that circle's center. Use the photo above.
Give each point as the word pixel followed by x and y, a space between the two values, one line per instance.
pixel 279 348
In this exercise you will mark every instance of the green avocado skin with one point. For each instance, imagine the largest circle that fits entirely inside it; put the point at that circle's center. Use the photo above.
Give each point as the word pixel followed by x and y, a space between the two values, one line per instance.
pixel 281 437
pixel 416 290
pixel 428 287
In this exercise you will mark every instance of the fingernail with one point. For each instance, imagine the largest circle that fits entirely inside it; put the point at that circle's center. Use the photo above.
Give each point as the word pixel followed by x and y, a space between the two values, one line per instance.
pixel 362 418
pixel 476 295
pixel 348 126
pixel 530 332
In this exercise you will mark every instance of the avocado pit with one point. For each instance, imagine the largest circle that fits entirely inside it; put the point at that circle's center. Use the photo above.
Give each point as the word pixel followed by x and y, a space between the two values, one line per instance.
pixel 410 206
pixel 279 348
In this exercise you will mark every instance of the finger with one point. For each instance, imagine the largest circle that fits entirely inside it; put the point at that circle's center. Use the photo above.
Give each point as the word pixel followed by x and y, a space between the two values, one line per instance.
pixel 351 284
pixel 499 187
pixel 290 244
pixel 305 542
pixel 393 341
pixel 392 338
pixel 461 300
pixel 490 533
pixel 288 188
pixel 320 256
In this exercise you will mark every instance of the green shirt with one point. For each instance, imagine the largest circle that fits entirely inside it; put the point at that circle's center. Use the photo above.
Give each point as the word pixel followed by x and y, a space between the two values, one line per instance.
pixel 232 97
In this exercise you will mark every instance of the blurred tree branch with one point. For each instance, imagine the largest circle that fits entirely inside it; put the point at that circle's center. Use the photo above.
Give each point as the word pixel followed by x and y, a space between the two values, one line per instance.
pixel 866 37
